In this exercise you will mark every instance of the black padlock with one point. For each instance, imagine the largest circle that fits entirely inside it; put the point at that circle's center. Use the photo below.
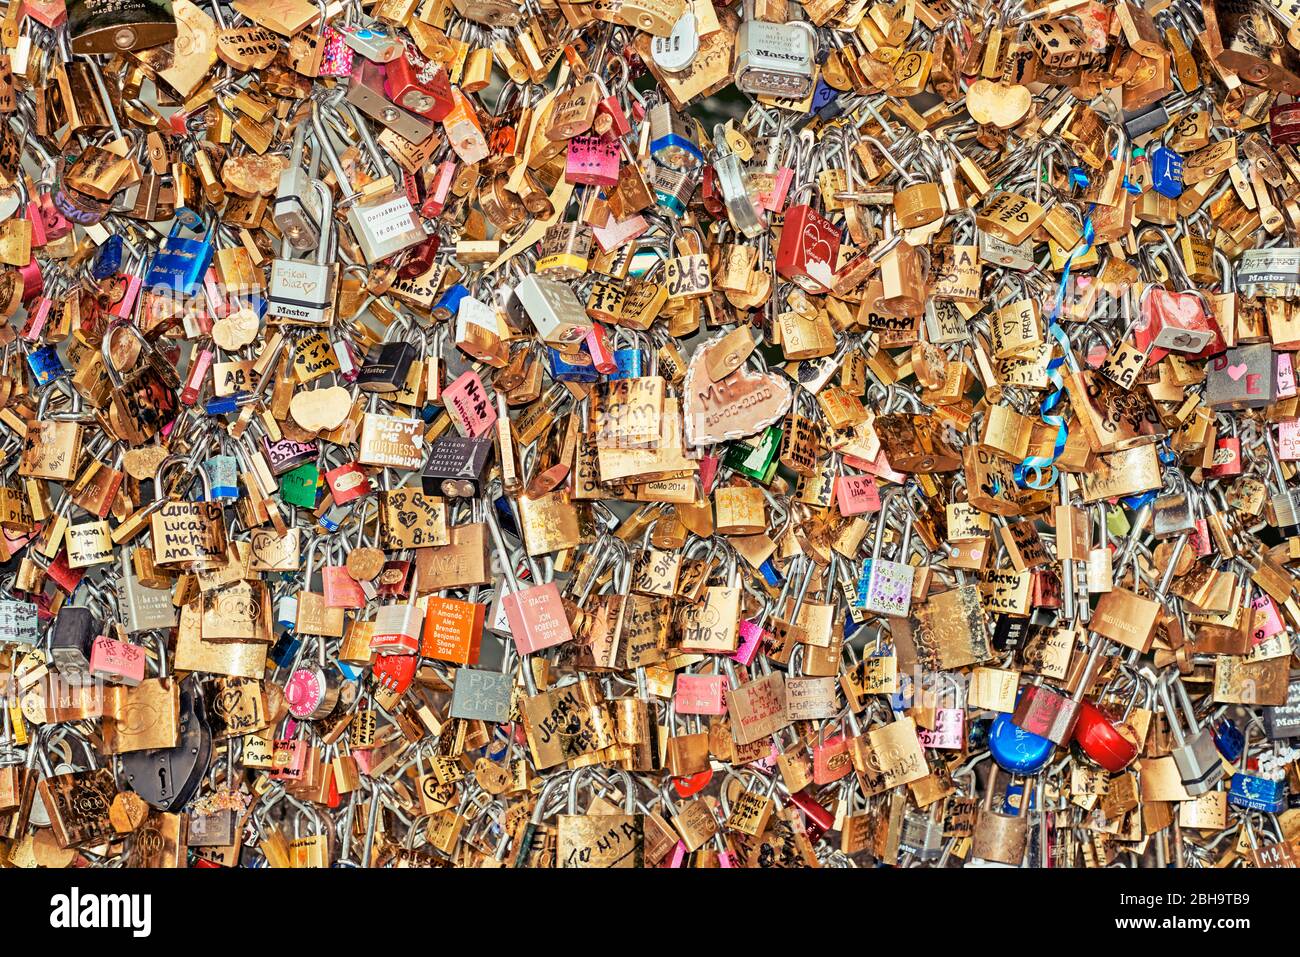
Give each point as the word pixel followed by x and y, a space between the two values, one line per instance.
pixel 166 778
pixel 75 630
pixel 386 367
pixel 456 466
pixel 1009 632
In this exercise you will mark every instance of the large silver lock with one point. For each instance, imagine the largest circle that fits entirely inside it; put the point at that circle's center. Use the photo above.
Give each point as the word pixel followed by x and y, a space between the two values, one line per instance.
pixel 301 290
pixel 1195 754
pixel 775 59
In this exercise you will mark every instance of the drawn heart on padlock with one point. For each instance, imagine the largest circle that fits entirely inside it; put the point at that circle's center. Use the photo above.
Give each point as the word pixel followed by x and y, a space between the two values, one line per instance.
pixel 693 783
pixel 735 406
pixel 1236 372
pixel 227 702
pixel 319 410
pixel 1001 104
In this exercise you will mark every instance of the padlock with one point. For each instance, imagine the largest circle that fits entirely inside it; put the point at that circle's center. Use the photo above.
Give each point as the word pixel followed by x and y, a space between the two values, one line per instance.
pixel 1199 764
pixel 302 292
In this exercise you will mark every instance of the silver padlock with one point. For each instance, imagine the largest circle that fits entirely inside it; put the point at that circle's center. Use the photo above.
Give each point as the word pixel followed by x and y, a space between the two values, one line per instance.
pixel 553 309
pixel 1197 757
pixel 143 608
pixel 297 210
pixel 775 59
pixel 302 291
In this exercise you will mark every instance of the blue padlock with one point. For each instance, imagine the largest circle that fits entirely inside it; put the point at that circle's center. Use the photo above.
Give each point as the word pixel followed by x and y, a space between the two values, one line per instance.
pixel 1229 740
pixel 46 365
pixel 223 475
pixel 448 304
pixel 223 405
pixel 1256 793
pixel 901 699
pixel 108 258
pixel 505 516
pixel 823 94
pixel 628 362
pixel 769 573
pixel 285 647
pixel 1015 749
pixel 571 367
pixel 349 672
pixel 1166 172
pixel 180 263
pixel 1012 797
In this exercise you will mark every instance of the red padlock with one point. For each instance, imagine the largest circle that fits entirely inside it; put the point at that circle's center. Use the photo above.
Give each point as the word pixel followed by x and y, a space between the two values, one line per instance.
pixel 1227 455
pixel 710 195
pixel 809 249
pixel 347 483
pixel 818 819
pixel 1101 741
pixel 602 356
pixel 419 259
pixel 395 672
pixel 418 84
pixel 1177 321
pixel 436 195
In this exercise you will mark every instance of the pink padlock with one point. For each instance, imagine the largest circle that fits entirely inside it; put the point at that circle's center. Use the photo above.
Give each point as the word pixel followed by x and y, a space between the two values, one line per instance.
pixel 33 280
pixel 337 57
pixel 1288 440
pixel 467 404
pixel 39 237
pixel 591 161
pixel 1200 540
pixel 341 590
pixel 1266 622
pixel 116 661
pixel 773 200
pixel 700 694
pixel 752 637
pixel 536 617
pixel 194 378
pixel 602 356
pixel 53 223
pixel 125 306
pixel 1285 376
pixel 856 494
pixel 214 295
pixel 34 327
pixel 947 733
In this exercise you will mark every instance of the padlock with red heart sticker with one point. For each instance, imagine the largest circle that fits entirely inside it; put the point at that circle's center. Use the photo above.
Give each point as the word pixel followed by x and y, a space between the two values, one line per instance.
pixel 1177 321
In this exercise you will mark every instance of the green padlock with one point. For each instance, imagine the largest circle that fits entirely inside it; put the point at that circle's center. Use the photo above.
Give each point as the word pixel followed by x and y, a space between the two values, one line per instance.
pixel 298 486
pixel 757 462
